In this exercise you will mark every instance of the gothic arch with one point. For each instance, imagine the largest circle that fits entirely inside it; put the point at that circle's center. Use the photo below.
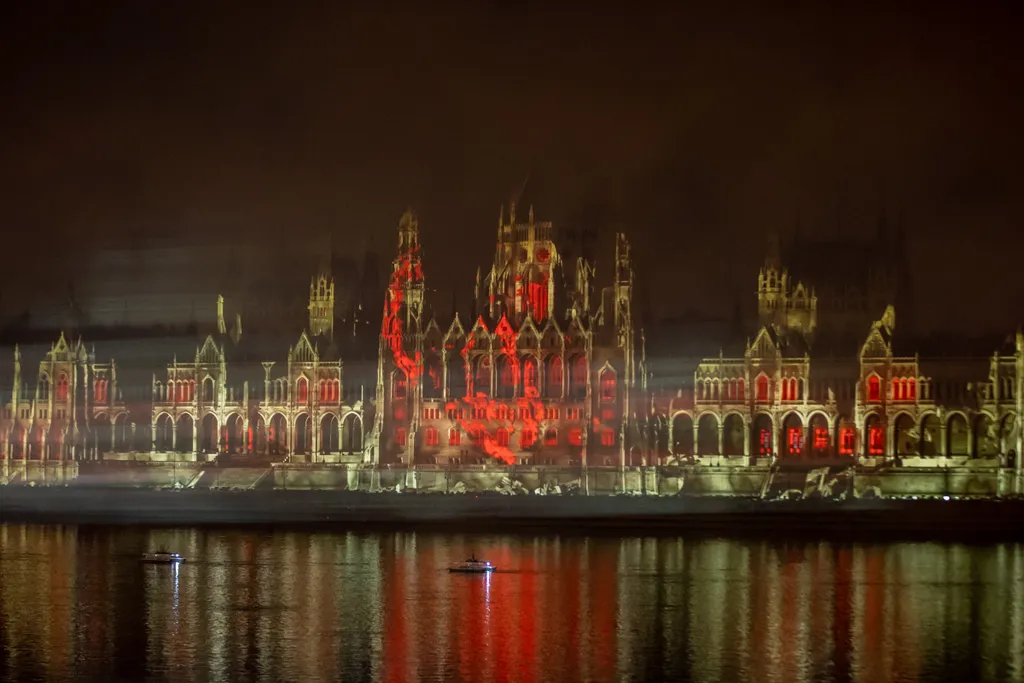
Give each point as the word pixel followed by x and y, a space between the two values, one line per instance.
pixel 903 434
pixel 957 436
pixel 682 434
pixel 352 433
pixel 793 440
pixel 208 434
pixel 732 434
pixel 303 436
pixel 329 428
pixel 185 430
pixel 707 434
pixel 762 434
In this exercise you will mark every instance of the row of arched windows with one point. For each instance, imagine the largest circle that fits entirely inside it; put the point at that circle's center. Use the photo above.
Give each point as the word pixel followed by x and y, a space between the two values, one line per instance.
pixel 502 436
pixel 61 392
pixel 511 377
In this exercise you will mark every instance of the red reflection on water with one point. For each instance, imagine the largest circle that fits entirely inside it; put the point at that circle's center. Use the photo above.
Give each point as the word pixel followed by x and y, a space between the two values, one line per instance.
pixel 604 602
pixel 395 659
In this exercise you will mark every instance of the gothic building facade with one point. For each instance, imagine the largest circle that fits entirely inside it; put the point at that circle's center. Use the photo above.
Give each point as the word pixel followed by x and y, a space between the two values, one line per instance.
pixel 541 372
pixel 801 392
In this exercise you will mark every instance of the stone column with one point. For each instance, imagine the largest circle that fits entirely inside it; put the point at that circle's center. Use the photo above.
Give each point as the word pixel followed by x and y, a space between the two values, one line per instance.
pixel 942 437
pixel 721 437
pixel 747 427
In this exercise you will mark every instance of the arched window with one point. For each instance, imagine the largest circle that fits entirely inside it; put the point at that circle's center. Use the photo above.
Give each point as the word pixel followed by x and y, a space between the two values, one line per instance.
pixel 482 376
pixel 897 394
pixel 62 388
pixel 502 437
pixel 762 388
pixel 529 376
pixel 399 385
pixel 553 377
pixel 607 385
pixel 551 437
pixel 700 390
pixel 430 437
pixel 191 390
pixel 302 390
pixel 527 438
pixel 400 436
pixel 454 436
pixel 44 388
pixel 578 379
pixel 506 377
pixel 575 436
pixel 740 392
pixel 874 388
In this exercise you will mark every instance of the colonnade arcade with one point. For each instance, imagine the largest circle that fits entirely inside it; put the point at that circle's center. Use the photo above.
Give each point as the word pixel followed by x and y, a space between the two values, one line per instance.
pixel 793 435
pixel 276 436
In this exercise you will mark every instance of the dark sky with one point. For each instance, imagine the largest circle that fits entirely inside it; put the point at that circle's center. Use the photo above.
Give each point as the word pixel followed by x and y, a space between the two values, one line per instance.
pixel 698 130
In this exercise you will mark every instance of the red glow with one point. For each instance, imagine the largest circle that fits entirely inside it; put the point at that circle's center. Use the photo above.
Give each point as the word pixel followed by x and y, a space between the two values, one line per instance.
pixel 846 440
pixel 820 438
pixel 762 388
pixel 874 389
pixel 482 408
pixel 794 439
pixel 876 440
pixel 764 442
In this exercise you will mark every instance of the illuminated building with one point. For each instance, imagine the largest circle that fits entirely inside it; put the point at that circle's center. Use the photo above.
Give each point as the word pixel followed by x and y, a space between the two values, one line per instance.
pixel 62 405
pixel 541 373
pixel 804 390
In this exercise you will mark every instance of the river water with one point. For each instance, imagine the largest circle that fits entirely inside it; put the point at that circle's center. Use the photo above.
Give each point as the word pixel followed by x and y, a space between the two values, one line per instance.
pixel 75 604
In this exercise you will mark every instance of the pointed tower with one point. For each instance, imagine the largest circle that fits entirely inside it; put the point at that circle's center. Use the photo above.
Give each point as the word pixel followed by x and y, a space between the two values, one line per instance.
pixel 771 285
pixel 321 305
pixel 521 279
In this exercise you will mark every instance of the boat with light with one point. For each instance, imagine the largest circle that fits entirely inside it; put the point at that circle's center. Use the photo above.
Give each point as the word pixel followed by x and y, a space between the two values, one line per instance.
pixel 473 566
pixel 162 557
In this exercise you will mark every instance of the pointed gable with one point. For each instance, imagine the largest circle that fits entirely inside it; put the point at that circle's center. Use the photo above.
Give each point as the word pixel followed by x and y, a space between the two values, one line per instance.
pixel 766 344
pixel 552 340
pixel 877 344
pixel 432 338
pixel 479 337
pixel 208 353
pixel 455 338
pixel 303 351
pixel 529 338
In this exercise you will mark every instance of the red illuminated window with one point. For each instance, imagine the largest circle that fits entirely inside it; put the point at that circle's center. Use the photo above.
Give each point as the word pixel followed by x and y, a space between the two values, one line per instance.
pixel 607 437
pixel 400 385
pixel 502 437
pixel 454 437
pixel 608 414
pixel 476 434
pixel 740 392
pixel 785 390
pixel 762 388
pixel 912 389
pixel 847 438
pixel 876 440
pixel 431 436
pixel 794 439
pixel 575 436
pixel 537 296
pixel 303 390
pixel 482 379
pixel 764 442
pixel 505 378
pixel 62 388
pixel 400 436
pixel 553 380
pixel 551 437
pixel 101 391
pixel 400 412
pixel 527 438
pixel 874 388
pixel 821 438
pixel 579 375
pixel 607 386
pixel 529 377
pixel 897 393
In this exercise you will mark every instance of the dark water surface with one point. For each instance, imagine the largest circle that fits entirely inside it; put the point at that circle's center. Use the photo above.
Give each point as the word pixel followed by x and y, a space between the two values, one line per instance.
pixel 75 604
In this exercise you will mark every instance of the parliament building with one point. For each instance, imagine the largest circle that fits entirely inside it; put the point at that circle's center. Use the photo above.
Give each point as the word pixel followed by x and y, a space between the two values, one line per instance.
pixel 547 366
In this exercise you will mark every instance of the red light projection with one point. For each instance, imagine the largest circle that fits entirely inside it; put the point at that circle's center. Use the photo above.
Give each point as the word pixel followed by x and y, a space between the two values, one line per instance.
pixel 408 272
pixel 481 408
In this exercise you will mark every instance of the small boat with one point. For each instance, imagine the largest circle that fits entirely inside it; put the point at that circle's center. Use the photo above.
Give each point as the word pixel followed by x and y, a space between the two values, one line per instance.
pixel 162 557
pixel 472 566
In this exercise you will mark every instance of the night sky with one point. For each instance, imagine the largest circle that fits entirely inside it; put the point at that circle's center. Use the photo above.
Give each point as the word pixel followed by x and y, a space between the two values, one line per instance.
pixel 696 130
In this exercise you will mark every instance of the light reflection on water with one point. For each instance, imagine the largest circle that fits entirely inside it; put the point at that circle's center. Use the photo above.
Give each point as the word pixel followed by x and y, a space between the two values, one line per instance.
pixel 75 604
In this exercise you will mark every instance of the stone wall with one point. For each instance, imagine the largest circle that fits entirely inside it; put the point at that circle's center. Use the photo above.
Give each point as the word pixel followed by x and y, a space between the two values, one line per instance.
pixel 685 480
